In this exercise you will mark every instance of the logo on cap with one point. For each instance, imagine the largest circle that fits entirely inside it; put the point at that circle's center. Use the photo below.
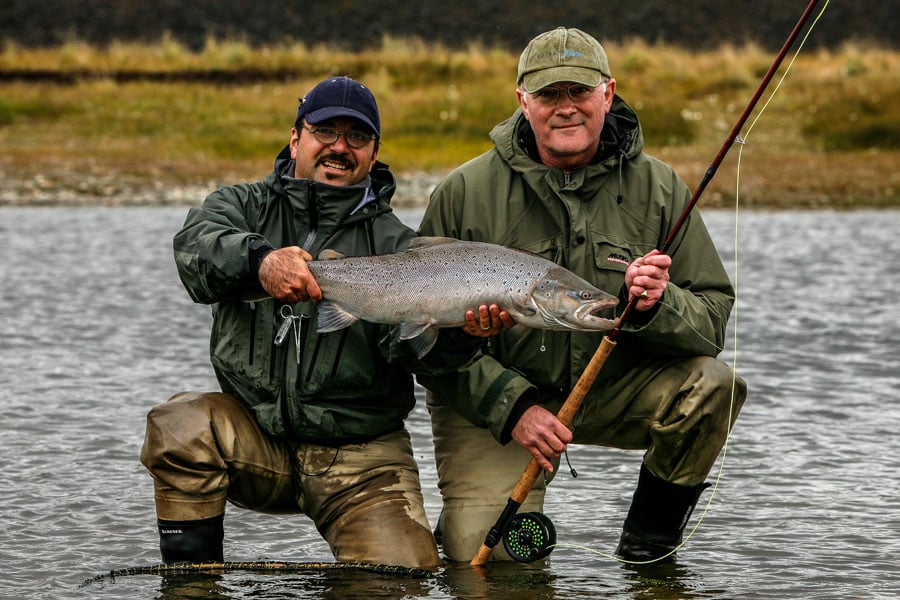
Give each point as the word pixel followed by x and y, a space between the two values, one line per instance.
pixel 562 55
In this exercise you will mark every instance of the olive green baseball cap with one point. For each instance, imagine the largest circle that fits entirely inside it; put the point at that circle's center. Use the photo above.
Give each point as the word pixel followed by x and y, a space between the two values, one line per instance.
pixel 562 55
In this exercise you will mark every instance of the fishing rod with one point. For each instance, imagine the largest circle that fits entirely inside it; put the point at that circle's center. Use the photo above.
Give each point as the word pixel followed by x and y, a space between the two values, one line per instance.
pixel 258 567
pixel 530 536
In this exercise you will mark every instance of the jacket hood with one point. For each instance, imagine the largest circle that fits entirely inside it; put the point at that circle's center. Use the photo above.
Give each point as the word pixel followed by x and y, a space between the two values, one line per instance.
pixel 621 137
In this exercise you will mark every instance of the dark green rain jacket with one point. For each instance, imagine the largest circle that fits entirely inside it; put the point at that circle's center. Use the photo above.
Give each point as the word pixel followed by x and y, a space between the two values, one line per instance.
pixel 593 221
pixel 342 387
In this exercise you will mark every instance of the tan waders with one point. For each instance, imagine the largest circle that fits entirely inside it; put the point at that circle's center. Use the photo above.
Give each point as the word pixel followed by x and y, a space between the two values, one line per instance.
pixel 365 499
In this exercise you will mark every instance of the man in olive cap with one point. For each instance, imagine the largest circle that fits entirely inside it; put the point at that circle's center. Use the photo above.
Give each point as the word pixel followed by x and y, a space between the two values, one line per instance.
pixel 568 179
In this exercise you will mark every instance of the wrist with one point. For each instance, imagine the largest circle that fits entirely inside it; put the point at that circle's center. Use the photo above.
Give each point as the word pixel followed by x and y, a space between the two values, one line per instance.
pixel 259 248
pixel 528 399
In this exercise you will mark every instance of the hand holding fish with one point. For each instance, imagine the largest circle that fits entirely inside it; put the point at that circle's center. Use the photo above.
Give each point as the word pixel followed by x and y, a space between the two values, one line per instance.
pixel 490 321
pixel 647 277
pixel 542 434
pixel 285 275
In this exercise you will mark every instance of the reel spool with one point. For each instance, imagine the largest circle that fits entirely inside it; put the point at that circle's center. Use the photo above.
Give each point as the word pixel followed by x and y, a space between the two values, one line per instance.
pixel 530 536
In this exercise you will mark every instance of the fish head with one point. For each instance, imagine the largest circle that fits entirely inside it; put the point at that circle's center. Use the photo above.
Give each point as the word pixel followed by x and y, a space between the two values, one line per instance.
pixel 566 301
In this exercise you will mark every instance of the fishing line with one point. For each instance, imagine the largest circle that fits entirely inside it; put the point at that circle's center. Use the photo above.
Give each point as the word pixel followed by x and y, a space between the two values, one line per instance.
pixel 741 140
pixel 691 327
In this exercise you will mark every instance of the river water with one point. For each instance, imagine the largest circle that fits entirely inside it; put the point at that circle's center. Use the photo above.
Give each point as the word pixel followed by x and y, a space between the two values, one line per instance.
pixel 96 329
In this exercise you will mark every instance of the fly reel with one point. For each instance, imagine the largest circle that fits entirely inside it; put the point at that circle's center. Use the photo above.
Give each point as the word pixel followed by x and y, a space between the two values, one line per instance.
pixel 530 536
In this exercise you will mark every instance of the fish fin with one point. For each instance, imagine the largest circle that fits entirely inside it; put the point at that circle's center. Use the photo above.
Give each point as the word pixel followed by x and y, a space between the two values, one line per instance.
pixel 332 317
pixel 426 242
pixel 424 342
pixel 421 336
pixel 526 310
pixel 329 254
pixel 410 330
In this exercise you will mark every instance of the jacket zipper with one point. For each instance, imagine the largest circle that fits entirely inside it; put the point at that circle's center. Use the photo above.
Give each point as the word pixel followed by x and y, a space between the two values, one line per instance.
pixel 340 351
pixel 313 217
pixel 273 347
pixel 299 342
pixel 286 414
pixel 370 243
pixel 253 318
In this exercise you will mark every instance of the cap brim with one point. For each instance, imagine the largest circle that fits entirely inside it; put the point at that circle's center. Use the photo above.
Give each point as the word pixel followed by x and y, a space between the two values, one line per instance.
pixel 532 82
pixel 331 112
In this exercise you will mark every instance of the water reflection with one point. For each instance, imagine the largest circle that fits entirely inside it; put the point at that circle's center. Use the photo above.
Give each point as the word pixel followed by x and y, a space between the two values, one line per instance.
pixel 189 587
pixel 665 580
pixel 497 580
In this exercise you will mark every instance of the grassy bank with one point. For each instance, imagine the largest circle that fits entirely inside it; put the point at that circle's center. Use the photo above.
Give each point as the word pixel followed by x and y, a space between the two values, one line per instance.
pixel 130 119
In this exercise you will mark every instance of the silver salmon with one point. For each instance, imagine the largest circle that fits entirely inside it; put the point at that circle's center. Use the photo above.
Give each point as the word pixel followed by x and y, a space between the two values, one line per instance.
pixel 433 283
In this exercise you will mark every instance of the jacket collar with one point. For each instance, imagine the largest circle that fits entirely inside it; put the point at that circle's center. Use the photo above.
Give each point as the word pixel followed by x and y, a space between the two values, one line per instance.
pixel 621 136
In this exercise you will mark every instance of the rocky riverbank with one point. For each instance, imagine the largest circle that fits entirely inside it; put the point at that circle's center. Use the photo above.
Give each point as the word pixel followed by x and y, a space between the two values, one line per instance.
pixel 815 182
pixel 118 190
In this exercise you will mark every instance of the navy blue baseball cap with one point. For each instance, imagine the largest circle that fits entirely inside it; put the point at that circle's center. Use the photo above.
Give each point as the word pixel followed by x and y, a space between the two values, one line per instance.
pixel 340 97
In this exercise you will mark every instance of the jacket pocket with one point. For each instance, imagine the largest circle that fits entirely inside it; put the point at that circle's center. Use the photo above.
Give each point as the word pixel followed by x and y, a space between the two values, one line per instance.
pixel 550 248
pixel 613 257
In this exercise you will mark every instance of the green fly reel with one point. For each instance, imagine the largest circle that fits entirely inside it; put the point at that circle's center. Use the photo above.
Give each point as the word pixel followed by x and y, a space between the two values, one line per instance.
pixel 530 536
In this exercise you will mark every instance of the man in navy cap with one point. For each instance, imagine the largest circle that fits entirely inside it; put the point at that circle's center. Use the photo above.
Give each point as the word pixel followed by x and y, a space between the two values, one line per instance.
pixel 304 423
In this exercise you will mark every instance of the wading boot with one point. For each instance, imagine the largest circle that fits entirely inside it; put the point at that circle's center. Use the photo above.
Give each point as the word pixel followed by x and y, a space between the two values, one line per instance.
pixel 191 541
pixel 657 517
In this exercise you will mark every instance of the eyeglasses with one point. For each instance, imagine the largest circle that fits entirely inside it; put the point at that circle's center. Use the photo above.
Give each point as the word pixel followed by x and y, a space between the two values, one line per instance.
pixel 328 135
pixel 550 95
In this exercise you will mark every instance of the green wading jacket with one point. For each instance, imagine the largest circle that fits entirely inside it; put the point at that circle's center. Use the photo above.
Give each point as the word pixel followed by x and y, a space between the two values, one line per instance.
pixel 342 387
pixel 593 221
